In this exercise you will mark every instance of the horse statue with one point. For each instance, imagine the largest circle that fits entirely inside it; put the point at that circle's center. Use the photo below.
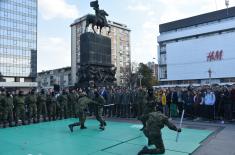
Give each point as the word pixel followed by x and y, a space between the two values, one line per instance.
pixel 99 19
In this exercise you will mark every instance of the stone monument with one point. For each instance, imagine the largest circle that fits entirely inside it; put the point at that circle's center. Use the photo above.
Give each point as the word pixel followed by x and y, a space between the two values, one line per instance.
pixel 95 52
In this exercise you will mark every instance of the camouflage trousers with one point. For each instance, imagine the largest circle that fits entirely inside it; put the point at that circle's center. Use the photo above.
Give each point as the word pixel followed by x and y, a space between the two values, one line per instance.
pixel 154 138
pixel 82 117
pixel 8 116
pixel 71 110
pixel 63 111
pixel 32 110
pixel 51 112
pixel 98 115
pixel 20 114
pixel 1 115
pixel 42 110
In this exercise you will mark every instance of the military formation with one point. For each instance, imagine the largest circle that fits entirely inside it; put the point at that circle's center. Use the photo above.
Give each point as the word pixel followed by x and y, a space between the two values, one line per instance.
pixel 34 107
pixel 22 109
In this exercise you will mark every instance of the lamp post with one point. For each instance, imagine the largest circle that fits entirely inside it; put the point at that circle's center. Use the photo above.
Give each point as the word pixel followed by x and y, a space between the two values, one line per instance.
pixel 210 72
pixel 155 68
pixel 140 76
pixel 227 5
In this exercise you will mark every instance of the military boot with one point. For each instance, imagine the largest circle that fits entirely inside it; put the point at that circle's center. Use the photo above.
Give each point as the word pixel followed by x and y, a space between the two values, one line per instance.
pixel 144 149
pixel 38 119
pixel 4 124
pixel 73 125
pixel 83 126
pixel 10 124
pixel 44 119
pixel 102 126
pixel 23 123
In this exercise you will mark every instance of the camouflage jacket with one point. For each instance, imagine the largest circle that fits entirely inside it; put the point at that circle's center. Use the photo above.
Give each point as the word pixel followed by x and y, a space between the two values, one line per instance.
pixel 41 99
pixel 19 101
pixel 156 121
pixel 82 103
pixel 99 101
pixel 7 103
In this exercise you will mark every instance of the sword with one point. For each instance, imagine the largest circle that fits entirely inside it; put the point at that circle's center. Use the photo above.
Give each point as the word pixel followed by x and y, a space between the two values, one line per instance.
pixel 108 105
pixel 181 121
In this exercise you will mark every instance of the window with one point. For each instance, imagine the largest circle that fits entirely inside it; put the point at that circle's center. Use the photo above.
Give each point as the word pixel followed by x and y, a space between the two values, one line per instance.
pixel 163 72
pixel 162 59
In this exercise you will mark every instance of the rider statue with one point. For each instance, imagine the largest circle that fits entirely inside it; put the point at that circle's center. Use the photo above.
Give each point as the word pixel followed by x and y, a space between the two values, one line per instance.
pixel 100 14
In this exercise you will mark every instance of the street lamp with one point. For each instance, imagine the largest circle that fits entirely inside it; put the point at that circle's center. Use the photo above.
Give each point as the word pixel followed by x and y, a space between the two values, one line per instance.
pixel 140 76
pixel 155 68
pixel 227 5
pixel 210 72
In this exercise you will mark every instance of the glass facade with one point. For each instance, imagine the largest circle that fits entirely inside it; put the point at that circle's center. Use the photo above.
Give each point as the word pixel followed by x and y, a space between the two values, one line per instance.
pixel 18 38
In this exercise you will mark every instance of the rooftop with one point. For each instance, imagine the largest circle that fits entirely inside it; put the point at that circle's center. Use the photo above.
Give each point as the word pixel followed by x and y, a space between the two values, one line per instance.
pixel 199 19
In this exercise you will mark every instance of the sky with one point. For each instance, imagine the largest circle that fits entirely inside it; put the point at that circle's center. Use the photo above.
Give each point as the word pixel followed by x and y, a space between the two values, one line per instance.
pixel 141 16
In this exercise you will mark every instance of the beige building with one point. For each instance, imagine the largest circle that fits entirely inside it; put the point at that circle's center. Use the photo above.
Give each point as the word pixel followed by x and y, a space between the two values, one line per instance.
pixel 61 77
pixel 121 51
pixel 154 67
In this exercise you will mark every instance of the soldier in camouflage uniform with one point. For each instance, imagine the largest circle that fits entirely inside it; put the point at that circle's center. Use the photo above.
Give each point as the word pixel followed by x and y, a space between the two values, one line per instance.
pixel 99 102
pixel 134 105
pixel 155 122
pixel 19 104
pixel 118 100
pixel 63 104
pixel 72 97
pixel 1 106
pixel 90 94
pixel 31 102
pixel 125 104
pixel 149 107
pixel 81 111
pixel 7 103
pixel 141 101
pixel 41 106
pixel 51 102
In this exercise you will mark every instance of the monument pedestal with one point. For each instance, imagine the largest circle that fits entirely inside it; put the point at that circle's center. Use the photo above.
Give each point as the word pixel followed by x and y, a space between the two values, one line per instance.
pixel 95 60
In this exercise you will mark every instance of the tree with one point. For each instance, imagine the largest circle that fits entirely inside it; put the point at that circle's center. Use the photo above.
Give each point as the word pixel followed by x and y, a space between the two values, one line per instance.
pixel 148 79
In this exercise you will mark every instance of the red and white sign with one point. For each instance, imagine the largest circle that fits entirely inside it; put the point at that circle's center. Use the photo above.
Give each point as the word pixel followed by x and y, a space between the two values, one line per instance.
pixel 215 55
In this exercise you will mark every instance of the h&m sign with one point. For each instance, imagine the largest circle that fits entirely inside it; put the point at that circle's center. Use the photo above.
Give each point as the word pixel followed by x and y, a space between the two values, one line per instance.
pixel 215 55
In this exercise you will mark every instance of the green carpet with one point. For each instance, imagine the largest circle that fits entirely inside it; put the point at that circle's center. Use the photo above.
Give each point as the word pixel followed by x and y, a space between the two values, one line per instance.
pixel 54 138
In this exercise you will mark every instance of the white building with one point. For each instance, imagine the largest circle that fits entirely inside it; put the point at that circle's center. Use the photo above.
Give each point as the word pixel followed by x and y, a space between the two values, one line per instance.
pixel 198 50
pixel 120 43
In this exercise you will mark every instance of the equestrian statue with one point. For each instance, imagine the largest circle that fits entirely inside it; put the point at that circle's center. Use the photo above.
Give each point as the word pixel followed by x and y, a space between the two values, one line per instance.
pixel 99 19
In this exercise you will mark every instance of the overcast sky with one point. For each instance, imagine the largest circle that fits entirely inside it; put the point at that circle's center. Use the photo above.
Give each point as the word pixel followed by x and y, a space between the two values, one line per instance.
pixel 141 16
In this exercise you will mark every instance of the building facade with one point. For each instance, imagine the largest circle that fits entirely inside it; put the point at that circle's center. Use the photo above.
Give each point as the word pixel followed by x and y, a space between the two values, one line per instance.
pixel 18 43
pixel 154 68
pixel 198 50
pixel 120 43
pixel 48 79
